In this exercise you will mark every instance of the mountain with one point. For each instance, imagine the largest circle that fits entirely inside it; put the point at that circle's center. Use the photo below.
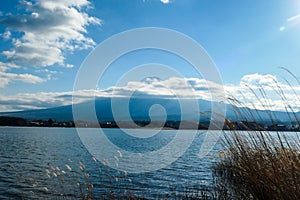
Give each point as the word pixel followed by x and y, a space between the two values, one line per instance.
pixel 139 109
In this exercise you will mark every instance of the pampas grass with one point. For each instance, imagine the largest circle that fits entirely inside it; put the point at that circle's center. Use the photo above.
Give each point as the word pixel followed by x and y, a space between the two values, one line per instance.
pixel 258 164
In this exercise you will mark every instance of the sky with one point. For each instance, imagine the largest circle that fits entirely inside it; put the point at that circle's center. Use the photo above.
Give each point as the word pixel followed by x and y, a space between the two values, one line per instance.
pixel 43 44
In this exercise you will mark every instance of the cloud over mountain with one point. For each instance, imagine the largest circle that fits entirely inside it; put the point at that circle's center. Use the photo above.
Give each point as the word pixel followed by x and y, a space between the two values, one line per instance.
pixel 248 92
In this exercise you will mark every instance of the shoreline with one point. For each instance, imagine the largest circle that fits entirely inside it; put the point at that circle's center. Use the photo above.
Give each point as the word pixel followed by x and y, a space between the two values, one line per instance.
pixel 148 128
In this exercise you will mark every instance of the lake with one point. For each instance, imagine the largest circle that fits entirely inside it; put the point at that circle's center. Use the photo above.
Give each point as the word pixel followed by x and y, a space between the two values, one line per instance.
pixel 35 163
pixel 47 163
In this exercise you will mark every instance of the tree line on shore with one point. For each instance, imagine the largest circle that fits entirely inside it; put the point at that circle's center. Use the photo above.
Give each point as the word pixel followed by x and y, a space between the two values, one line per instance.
pixel 231 125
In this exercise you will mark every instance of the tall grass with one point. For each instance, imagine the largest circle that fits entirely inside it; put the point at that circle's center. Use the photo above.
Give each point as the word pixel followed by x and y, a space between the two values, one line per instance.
pixel 258 164
pixel 76 183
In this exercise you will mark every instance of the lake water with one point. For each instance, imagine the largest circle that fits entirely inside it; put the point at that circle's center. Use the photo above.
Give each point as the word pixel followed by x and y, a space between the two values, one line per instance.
pixel 33 165
pixel 36 163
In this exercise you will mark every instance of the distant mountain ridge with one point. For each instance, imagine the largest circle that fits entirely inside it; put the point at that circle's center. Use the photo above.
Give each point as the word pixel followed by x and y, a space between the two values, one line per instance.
pixel 139 110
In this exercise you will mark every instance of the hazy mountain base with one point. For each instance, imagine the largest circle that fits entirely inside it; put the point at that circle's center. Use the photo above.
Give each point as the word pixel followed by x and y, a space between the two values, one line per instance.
pixel 139 112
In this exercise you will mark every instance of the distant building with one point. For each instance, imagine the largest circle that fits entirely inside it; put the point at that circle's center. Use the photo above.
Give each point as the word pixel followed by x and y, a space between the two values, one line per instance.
pixel 278 127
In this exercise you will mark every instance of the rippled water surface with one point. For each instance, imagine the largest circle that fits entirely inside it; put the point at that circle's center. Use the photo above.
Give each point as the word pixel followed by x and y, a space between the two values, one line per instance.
pixel 27 153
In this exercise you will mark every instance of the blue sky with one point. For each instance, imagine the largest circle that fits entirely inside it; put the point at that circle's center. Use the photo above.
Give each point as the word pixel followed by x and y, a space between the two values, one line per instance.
pixel 44 42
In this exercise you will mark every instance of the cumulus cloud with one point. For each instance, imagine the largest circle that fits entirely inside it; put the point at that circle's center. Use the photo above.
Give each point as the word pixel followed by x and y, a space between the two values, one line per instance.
pixel 259 80
pixel 50 29
pixel 173 87
pixel 265 92
pixel 248 92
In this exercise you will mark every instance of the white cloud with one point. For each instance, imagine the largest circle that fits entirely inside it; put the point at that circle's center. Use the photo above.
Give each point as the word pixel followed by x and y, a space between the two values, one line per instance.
pixel 69 66
pixel 265 92
pixel 165 1
pixel 293 18
pixel 50 29
pixel 261 92
pixel 45 99
pixel 290 21
pixel 47 71
pixel 6 35
pixel 3 67
pixel 258 80
pixel 6 78
pixel 282 28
